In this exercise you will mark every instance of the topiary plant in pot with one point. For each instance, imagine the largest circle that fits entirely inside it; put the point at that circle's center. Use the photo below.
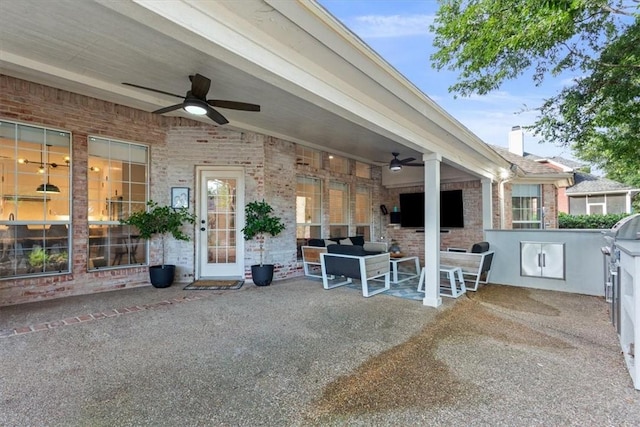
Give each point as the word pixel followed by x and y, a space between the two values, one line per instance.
pixel 258 223
pixel 161 220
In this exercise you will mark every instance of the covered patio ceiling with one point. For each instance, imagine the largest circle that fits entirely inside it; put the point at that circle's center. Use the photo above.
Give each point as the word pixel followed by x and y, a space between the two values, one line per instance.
pixel 316 82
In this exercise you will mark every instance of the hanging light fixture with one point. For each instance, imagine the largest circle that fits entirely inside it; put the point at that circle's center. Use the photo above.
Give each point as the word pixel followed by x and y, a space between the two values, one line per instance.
pixel 195 106
pixel 395 165
pixel 43 168
pixel 47 188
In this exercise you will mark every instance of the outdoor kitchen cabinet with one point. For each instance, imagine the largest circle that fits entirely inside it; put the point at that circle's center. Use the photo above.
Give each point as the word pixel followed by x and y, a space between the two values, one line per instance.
pixel 629 253
pixel 542 259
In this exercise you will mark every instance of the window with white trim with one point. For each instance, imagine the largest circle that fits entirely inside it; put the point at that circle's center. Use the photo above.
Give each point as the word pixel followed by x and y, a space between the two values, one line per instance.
pixel 338 209
pixel 338 164
pixel 307 157
pixel 308 210
pixel 363 212
pixel 118 184
pixel 35 200
pixel 526 200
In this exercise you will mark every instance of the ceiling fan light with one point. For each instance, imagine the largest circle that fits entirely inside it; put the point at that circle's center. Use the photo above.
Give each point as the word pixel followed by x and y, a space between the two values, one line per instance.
pixel 195 107
pixel 47 188
pixel 395 165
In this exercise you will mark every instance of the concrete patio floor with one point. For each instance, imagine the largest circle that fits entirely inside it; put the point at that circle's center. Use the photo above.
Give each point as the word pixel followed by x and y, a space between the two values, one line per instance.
pixel 294 354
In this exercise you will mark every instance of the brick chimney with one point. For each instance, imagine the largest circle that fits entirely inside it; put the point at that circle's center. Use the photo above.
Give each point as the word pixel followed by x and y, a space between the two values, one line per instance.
pixel 516 141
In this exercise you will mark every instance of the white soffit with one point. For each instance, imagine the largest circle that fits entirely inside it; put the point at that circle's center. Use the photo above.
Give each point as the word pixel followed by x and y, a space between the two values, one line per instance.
pixel 318 84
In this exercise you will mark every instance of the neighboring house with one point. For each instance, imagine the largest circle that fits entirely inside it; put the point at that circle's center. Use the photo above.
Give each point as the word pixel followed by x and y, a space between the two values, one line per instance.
pixel 531 195
pixel 79 150
pixel 590 194
pixel 545 186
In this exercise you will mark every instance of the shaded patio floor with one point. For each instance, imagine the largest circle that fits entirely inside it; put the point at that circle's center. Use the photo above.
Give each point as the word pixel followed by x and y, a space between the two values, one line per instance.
pixel 295 354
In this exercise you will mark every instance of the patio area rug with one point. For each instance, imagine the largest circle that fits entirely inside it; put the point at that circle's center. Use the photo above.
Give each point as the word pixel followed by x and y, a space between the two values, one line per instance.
pixel 214 285
pixel 406 290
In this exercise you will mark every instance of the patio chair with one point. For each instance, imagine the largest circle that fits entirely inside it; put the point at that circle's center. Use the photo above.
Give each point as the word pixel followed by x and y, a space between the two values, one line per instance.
pixel 351 262
pixel 311 260
pixel 476 267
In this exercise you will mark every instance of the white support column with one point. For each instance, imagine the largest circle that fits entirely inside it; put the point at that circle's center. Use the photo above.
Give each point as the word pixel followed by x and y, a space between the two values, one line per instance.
pixel 487 205
pixel 432 230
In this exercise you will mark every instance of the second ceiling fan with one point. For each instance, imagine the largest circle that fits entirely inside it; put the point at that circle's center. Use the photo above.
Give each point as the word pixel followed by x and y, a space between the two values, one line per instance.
pixel 396 164
pixel 196 102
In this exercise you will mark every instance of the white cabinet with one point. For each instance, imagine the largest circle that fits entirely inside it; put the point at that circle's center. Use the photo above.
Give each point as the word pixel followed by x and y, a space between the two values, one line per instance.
pixel 542 259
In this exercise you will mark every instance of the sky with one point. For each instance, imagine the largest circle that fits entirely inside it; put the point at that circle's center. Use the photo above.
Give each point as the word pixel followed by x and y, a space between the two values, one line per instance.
pixel 398 30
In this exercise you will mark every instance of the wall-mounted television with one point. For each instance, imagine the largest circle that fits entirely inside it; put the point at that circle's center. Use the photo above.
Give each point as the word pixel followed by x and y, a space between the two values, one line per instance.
pixel 451 209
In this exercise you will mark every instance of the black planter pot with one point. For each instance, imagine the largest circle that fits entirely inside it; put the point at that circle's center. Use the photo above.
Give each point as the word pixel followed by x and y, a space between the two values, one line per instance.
pixel 161 276
pixel 262 275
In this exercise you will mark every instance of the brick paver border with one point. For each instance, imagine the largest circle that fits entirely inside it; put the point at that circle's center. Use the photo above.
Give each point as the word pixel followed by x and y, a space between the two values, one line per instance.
pixel 39 327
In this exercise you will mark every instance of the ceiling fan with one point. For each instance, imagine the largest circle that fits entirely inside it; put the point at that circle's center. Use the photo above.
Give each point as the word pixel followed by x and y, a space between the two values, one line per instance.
pixel 196 102
pixel 396 164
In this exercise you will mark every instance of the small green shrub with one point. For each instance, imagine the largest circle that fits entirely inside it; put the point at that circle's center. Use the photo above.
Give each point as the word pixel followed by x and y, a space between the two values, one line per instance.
pixel 588 221
pixel 38 258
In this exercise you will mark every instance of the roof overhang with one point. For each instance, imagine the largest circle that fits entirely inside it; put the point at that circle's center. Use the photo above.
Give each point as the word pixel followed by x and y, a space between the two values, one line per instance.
pixel 318 84
pixel 630 192
pixel 560 180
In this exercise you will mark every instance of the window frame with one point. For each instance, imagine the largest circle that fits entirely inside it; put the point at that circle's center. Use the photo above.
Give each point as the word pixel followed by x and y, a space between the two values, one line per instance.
pixel 335 185
pixel 303 229
pixel 115 242
pixel 533 212
pixel 43 242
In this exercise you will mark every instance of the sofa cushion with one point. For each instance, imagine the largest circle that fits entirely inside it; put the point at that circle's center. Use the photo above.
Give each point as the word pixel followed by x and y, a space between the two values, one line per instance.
pixel 480 247
pixel 375 247
pixel 346 250
pixel 317 242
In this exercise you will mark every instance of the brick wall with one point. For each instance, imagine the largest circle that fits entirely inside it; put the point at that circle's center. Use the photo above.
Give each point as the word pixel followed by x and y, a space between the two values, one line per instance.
pixel 550 203
pixel 36 104
pixel 412 242
pixel 176 146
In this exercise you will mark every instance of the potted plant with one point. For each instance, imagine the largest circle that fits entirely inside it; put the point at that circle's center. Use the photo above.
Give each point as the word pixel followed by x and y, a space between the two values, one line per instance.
pixel 161 220
pixel 259 223
pixel 38 258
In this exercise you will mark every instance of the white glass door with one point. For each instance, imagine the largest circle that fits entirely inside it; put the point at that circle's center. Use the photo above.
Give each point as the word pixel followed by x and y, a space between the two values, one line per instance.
pixel 221 219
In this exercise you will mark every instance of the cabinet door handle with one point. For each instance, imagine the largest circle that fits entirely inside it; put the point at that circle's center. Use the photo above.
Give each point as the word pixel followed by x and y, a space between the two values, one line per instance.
pixel 544 260
pixel 539 265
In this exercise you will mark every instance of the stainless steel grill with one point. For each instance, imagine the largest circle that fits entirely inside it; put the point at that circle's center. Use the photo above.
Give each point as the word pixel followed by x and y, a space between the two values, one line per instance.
pixel 627 228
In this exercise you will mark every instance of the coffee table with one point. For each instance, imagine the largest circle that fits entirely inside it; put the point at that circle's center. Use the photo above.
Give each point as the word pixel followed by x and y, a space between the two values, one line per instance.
pixel 402 276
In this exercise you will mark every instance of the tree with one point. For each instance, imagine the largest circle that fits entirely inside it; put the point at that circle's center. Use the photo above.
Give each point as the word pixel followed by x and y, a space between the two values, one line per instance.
pixel 491 41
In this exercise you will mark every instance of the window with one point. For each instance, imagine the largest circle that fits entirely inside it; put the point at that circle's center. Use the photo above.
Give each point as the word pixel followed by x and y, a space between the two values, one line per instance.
pixel 596 205
pixel 363 212
pixel 526 205
pixel 35 179
pixel 338 209
pixel 578 205
pixel 117 185
pixel 363 170
pixel 338 164
pixel 307 157
pixel 616 203
pixel 308 210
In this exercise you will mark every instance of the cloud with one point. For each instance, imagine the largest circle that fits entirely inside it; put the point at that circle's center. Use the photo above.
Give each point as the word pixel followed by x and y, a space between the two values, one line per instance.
pixel 387 26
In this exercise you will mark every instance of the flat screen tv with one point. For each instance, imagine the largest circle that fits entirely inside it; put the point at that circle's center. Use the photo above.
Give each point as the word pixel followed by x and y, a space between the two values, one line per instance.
pixel 451 209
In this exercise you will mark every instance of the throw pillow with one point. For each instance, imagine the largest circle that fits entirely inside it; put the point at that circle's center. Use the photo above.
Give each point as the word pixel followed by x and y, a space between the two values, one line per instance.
pixel 346 242
pixel 357 240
